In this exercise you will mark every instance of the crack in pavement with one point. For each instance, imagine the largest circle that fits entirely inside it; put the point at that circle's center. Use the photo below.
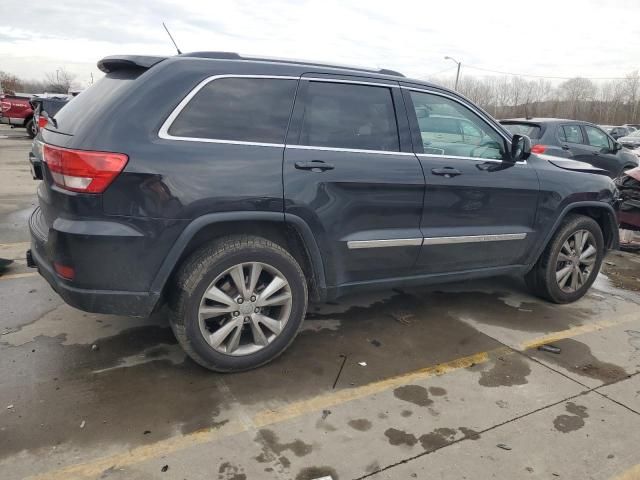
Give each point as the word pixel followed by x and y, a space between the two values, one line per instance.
pixel 506 422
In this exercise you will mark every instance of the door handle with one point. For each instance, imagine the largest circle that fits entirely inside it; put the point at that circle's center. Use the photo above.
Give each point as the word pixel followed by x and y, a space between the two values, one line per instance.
pixel 314 166
pixel 447 172
pixel 565 147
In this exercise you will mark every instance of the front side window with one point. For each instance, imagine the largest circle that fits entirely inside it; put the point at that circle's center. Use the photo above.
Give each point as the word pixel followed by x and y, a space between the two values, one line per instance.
pixel 449 128
pixel 342 115
pixel 238 109
pixel 597 138
pixel 571 134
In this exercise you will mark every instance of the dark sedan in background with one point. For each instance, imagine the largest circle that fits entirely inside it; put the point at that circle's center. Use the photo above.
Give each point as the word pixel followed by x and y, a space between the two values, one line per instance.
pixel 576 140
pixel 632 142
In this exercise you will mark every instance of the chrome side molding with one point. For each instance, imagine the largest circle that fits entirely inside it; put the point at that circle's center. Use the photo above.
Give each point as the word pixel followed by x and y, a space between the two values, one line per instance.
pixel 416 242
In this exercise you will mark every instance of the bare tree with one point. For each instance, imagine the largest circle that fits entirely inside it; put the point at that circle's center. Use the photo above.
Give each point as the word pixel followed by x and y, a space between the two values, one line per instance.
pixel 59 81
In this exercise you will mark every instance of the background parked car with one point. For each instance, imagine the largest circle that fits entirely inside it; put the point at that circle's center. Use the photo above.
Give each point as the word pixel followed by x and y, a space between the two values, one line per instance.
pixel 617 132
pixel 632 142
pixel 49 104
pixel 16 110
pixel 575 140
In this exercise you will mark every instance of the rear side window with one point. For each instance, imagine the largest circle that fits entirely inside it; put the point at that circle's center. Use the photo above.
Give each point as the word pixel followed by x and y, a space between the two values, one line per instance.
pixel 571 134
pixel 528 129
pixel 238 109
pixel 341 115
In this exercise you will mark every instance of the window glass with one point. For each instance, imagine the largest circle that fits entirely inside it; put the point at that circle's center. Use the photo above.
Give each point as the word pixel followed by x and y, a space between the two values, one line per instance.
pixel 341 115
pixel 597 138
pixel 238 109
pixel 528 129
pixel 472 137
pixel 571 134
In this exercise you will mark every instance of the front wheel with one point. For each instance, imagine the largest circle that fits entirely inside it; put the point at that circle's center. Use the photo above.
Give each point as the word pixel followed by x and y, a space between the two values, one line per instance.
pixel 570 263
pixel 239 304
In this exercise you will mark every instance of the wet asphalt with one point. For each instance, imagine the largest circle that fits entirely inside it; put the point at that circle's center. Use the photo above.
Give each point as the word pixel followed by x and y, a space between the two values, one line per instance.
pixel 444 382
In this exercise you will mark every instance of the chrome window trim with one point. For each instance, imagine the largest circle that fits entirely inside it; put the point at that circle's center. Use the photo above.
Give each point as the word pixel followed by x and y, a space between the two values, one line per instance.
pixel 355 150
pixel 357 82
pixel 473 238
pixel 395 242
pixel 477 159
pixel 164 129
pixel 416 242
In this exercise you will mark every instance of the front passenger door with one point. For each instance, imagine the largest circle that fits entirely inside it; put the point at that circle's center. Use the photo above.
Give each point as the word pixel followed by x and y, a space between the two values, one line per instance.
pixel 601 150
pixel 479 209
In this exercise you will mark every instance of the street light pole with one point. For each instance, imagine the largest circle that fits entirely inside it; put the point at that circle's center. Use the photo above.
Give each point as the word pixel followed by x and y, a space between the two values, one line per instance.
pixel 458 72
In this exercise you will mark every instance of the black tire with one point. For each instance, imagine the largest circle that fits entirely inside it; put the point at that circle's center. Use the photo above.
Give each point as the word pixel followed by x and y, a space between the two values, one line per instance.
pixel 542 277
pixel 31 128
pixel 196 275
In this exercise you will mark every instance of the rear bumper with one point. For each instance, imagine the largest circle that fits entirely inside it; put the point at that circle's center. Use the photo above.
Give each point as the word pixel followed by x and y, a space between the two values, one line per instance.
pixel 137 304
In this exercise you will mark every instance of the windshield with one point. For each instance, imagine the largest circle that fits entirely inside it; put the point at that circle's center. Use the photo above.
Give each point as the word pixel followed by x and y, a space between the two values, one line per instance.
pixel 635 133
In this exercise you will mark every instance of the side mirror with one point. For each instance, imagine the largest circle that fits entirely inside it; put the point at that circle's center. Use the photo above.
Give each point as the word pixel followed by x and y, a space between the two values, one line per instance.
pixel 617 146
pixel 520 148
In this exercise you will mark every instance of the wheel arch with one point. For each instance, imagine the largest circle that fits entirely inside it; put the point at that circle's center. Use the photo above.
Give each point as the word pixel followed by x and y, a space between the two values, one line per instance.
pixel 601 212
pixel 293 234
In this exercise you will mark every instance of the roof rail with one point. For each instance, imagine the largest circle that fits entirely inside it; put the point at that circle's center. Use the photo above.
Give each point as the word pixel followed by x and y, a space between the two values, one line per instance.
pixel 236 56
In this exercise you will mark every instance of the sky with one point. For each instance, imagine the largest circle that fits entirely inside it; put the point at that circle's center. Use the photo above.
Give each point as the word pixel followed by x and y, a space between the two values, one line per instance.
pixel 560 38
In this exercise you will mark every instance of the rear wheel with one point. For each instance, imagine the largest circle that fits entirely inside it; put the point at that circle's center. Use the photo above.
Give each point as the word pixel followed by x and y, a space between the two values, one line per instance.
pixel 32 128
pixel 570 263
pixel 240 303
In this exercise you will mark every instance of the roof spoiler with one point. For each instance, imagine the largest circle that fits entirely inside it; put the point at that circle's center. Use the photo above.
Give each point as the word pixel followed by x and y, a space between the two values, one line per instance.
pixel 123 62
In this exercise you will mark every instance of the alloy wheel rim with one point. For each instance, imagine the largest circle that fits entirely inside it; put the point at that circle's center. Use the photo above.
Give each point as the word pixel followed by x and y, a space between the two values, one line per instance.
pixel 574 265
pixel 245 308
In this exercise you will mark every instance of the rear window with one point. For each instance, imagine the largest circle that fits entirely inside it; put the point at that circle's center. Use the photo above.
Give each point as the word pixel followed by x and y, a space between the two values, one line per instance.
pixel 528 129
pixel 238 109
pixel 80 108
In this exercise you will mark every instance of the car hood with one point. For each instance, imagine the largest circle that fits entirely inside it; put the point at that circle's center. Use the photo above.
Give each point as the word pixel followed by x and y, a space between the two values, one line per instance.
pixel 629 140
pixel 574 165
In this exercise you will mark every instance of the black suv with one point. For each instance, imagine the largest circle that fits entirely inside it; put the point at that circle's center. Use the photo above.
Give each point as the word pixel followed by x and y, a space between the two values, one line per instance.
pixel 575 140
pixel 235 189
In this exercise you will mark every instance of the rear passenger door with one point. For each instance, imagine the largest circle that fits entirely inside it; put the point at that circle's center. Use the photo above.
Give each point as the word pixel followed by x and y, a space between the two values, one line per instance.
pixel 349 173
pixel 573 142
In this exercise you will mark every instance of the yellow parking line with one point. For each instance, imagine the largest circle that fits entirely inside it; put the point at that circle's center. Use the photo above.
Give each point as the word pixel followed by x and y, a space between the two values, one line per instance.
pixel 15 245
pixel 296 409
pixel 269 417
pixel 18 275
pixel 579 330
pixel 632 474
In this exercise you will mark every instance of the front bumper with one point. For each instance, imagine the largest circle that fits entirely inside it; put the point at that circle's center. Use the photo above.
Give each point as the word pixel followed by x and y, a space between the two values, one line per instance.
pixel 137 304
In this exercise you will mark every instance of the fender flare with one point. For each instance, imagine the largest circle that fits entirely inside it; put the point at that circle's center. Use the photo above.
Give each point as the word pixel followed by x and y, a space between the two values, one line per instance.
pixel 611 216
pixel 178 248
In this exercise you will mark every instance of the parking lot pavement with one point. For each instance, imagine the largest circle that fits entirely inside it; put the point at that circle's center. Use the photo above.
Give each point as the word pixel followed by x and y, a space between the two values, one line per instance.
pixel 446 382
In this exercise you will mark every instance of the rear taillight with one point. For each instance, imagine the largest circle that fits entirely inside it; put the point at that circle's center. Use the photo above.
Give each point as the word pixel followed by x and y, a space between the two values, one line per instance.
pixel 65 271
pixel 81 170
pixel 538 149
pixel 42 122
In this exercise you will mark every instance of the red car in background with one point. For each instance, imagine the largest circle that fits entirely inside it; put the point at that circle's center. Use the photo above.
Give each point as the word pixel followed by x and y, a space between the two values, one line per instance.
pixel 16 110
